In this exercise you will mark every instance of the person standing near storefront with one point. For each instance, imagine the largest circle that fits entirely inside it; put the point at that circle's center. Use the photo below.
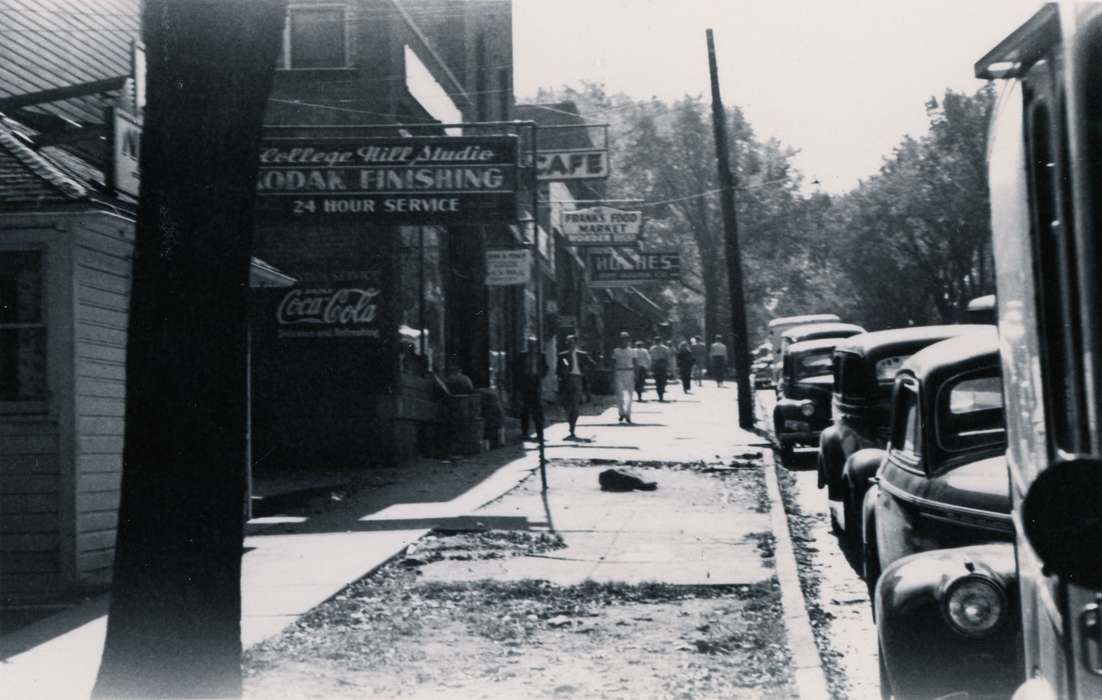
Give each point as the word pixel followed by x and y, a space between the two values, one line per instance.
pixel 531 368
pixel 700 359
pixel 624 362
pixel 718 356
pixel 572 368
pixel 660 356
pixel 641 367
pixel 685 363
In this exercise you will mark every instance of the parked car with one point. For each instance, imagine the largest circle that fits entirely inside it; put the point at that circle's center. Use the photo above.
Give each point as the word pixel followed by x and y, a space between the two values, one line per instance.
pixel 864 374
pixel 942 484
pixel 942 481
pixel 778 326
pixel 803 404
pixel 810 331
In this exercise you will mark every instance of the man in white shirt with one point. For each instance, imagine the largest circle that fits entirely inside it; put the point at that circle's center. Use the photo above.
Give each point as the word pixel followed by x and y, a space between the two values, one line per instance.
pixel 717 355
pixel 624 362
pixel 660 355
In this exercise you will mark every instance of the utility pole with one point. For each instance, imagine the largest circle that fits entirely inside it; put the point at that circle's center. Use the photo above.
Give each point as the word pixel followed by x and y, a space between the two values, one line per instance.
pixel 739 341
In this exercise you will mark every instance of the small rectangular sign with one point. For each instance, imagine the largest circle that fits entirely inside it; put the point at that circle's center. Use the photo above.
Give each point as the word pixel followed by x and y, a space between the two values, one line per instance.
pixel 572 164
pixel 415 180
pixel 625 267
pixel 601 226
pixel 125 147
pixel 508 266
pixel 340 305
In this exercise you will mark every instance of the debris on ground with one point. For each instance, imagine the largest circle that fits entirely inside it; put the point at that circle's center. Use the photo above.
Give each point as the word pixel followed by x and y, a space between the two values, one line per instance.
pixel 619 480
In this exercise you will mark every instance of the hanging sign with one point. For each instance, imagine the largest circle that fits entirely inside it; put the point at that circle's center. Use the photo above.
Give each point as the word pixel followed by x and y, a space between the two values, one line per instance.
pixel 416 180
pixel 572 164
pixel 601 226
pixel 124 147
pixel 508 266
pixel 625 267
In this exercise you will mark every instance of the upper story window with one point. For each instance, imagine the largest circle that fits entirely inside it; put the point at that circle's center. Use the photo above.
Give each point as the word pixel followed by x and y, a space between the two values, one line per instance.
pixel 22 332
pixel 316 36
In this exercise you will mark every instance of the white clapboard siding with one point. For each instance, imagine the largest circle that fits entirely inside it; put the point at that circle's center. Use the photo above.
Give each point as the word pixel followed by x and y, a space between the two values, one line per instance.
pixel 102 255
pixel 30 528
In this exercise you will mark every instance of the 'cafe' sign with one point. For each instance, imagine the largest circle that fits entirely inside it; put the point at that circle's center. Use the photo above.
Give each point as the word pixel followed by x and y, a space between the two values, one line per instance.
pixel 418 180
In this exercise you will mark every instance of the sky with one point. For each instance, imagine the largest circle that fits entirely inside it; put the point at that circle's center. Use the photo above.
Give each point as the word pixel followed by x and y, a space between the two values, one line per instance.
pixel 841 80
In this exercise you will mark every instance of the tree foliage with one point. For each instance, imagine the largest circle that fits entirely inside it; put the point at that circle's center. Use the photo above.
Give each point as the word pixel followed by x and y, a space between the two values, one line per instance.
pixel 909 245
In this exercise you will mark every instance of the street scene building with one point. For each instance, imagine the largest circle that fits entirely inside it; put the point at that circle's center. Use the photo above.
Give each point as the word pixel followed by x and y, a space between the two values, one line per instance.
pixel 480 349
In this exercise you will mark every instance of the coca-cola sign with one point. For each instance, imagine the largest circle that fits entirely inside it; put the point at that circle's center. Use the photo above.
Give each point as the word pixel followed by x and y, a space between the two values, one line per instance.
pixel 329 312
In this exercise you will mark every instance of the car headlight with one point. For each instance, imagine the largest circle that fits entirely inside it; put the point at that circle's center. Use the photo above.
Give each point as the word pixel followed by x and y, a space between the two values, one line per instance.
pixel 808 409
pixel 974 605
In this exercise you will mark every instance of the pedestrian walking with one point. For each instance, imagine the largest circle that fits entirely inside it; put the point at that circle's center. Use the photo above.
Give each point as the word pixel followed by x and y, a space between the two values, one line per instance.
pixel 531 368
pixel 700 359
pixel 660 356
pixel 624 362
pixel 717 354
pixel 685 364
pixel 642 367
pixel 572 369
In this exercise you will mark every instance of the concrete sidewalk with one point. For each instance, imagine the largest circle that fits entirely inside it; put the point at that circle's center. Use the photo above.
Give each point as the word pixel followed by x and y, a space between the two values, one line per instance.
pixel 290 564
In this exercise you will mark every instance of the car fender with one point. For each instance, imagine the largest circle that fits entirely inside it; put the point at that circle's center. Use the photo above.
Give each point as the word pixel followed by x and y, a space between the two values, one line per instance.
pixel 915 635
pixel 830 459
pixel 868 534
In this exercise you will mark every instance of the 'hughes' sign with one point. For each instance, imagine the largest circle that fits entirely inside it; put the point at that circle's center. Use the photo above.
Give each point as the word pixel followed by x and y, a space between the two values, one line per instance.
pixel 420 180
pixel 624 267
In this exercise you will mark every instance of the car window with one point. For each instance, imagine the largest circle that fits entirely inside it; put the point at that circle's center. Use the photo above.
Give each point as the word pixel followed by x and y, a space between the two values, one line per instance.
pixel 886 368
pixel 815 363
pixel 907 423
pixel 970 413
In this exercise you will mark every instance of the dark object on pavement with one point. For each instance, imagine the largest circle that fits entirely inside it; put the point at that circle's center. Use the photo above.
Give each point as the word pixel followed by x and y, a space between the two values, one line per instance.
pixel 616 480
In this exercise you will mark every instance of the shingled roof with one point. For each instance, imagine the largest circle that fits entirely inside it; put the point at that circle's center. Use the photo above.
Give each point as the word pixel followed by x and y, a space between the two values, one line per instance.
pixel 30 177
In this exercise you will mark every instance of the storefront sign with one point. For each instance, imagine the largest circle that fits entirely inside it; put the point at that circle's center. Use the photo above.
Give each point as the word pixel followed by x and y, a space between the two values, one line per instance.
pixel 506 267
pixel 601 226
pixel 572 164
pixel 124 147
pixel 418 180
pixel 344 307
pixel 624 267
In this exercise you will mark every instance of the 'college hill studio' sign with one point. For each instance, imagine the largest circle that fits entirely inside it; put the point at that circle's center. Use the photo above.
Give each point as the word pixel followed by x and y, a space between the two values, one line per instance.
pixel 419 180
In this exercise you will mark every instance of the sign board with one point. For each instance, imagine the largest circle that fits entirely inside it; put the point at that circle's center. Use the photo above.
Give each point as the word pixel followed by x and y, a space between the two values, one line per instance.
pixel 601 226
pixel 437 180
pixel 508 266
pixel 572 164
pixel 124 147
pixel 343 305
pixel 625 267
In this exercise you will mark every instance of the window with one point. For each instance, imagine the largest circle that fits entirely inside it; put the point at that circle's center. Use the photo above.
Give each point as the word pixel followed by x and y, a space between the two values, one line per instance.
pixel 907 428
pixel 815 364
pixel 316 37
pixel 970 413
pixel 22 331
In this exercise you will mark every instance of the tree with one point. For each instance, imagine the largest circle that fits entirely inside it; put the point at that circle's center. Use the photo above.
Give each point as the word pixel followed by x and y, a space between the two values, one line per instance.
pixel 174 620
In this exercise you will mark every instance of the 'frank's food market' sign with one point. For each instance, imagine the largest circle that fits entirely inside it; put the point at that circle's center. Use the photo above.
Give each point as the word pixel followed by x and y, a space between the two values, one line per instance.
pixel 624 267
pixel 601 226
pixel 420 180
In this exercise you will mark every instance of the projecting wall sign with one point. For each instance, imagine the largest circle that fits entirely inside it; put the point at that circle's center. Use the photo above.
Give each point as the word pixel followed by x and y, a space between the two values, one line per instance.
pixel 625 267
pixel 601 226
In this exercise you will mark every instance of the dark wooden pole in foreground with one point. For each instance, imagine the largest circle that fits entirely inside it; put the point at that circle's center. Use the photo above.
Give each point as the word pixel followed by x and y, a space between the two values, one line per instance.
pixel 174 625
pixel 739 341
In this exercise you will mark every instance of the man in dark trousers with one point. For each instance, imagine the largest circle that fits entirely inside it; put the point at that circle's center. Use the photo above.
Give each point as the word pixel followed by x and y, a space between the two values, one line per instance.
pixel 530 370
pixel 572 368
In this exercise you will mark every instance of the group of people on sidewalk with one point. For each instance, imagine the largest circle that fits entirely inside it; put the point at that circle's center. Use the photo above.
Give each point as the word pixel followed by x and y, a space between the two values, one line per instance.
pixel 630 368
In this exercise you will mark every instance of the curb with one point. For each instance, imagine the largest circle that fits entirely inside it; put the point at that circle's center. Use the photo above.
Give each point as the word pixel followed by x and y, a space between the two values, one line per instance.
pixel 807 667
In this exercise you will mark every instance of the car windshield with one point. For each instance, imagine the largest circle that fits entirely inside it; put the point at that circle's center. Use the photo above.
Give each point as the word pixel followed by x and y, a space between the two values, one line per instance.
pixel 814 364
pixel 970 413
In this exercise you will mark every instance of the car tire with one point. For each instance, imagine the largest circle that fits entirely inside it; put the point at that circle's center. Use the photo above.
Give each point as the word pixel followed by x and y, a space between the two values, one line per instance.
pixel 785 452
